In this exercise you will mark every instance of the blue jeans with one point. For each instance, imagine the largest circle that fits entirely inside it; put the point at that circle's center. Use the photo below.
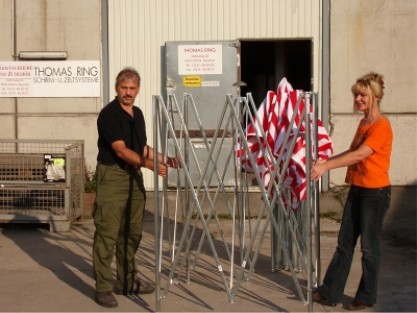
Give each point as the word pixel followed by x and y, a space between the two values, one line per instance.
pixel 363 216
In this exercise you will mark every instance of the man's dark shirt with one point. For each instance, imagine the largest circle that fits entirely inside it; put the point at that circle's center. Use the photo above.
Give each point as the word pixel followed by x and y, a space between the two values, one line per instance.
pixel 115 124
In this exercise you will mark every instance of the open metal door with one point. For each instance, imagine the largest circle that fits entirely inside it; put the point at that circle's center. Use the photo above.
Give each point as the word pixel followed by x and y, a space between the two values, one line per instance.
pixel 208 71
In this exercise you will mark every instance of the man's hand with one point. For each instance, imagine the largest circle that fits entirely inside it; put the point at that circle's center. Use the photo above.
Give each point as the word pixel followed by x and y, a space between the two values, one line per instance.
pixel 173 162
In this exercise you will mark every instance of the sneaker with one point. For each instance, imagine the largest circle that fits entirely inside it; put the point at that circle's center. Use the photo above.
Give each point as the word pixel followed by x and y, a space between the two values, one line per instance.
pixel 139 288
pixel 106 299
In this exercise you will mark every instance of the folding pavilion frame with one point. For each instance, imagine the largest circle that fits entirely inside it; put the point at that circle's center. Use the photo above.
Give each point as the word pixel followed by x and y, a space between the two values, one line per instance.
pixel 295 234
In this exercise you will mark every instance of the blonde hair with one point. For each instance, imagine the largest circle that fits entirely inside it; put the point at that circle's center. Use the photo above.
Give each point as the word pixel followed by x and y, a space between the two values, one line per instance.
pixel 371 84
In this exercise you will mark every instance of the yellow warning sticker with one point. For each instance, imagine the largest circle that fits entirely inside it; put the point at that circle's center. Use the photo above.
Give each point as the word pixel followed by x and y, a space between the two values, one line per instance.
pixel 191 81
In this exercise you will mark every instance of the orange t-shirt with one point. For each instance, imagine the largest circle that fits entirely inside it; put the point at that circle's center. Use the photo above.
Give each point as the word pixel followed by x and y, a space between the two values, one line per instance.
pixel 372 172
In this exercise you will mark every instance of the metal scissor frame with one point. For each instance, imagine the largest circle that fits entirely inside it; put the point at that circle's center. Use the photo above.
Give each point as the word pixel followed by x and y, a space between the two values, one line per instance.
pixel 292 233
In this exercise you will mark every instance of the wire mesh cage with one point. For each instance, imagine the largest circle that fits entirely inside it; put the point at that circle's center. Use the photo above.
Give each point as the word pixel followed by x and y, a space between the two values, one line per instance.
pixel 41 181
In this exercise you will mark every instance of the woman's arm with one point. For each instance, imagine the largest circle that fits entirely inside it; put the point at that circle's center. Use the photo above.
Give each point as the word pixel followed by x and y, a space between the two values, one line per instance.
pixel 343 159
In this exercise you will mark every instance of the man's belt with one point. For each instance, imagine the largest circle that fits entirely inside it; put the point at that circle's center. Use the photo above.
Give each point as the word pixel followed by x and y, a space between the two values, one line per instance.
pixel 126 167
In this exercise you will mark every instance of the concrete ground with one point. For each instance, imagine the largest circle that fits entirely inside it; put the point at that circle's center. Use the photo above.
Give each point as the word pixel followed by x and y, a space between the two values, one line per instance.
pixel 41 271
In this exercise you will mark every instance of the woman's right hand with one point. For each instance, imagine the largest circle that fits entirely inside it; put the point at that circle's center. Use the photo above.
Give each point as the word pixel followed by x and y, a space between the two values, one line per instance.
pixel 318 169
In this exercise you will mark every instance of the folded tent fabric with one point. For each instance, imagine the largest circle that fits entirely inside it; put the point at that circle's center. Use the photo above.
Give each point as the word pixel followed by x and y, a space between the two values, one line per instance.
pixel 266 145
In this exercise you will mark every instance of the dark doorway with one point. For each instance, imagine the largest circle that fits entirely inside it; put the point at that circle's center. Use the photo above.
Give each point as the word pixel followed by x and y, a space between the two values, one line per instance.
pixel 265 63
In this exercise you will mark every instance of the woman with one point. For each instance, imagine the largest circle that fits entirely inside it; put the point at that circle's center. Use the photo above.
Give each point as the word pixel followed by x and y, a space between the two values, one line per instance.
pixel 367 161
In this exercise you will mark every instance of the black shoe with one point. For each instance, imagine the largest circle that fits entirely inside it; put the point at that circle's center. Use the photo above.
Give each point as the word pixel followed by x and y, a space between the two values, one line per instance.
pixel 139 288
pixel 317 297
pixel 106 299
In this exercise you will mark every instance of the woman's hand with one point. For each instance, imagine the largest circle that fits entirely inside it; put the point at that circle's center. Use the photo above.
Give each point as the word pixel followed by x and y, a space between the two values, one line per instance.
pixel 318 169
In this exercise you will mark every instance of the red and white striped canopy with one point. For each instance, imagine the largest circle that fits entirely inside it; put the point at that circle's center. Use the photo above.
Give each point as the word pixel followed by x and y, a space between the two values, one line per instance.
pixel 266 145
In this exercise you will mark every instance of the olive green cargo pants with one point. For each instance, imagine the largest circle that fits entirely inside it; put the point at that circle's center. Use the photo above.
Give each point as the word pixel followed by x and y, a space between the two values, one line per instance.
pixel 118 221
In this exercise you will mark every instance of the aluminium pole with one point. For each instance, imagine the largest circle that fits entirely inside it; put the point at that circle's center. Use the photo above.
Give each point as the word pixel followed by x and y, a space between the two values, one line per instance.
pixel 158 245
pixel 309 200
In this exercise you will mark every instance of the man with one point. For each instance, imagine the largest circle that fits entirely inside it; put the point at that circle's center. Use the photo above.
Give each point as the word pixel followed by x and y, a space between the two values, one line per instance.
pixel 120 201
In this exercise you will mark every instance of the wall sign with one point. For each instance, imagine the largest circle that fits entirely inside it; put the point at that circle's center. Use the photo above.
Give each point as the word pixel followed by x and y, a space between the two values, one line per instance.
pixel 55 79
pixel 200 59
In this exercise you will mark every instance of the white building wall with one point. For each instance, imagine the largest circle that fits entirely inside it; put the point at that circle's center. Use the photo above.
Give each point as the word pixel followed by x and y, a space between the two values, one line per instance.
pixel 139 28
pixel 51 25
pixel 381 36
pixel 367 35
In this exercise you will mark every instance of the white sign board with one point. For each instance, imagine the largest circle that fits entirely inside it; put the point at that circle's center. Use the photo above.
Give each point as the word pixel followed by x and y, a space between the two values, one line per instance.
pixel 55 79
pixel 200 59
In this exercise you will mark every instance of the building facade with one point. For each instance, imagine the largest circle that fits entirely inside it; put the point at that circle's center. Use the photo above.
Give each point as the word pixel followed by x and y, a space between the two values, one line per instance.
pixel 323 46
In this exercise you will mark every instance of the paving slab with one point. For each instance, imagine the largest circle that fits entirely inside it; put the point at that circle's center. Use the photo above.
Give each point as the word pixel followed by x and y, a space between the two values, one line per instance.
pixel 42 271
